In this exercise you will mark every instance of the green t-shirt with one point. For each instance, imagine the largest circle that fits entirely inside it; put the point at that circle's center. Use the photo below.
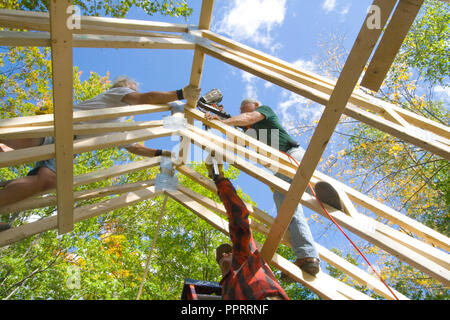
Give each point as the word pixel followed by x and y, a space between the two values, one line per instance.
pixel 268 129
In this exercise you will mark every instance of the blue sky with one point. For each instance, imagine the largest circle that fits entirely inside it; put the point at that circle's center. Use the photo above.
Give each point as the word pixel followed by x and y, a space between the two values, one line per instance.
pixel 288 29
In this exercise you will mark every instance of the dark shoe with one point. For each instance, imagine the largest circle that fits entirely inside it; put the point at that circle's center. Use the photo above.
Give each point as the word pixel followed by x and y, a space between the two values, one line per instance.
pixel 309 265
pixel 4 226
pixel 327 194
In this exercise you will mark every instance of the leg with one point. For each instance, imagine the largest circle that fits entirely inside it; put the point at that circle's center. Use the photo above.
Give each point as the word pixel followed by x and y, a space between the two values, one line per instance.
pixel 14 144
pixel 25 187
pixel 301 237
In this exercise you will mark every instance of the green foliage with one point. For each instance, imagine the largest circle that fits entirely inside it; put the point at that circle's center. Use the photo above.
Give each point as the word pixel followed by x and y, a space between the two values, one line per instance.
pixel 426 47
pixel 112 8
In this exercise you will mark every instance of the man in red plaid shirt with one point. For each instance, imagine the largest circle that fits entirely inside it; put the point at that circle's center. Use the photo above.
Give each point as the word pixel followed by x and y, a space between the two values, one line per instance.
pixel 245 274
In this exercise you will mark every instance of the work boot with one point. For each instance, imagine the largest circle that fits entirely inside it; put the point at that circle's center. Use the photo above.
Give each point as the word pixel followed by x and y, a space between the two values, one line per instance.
pixel 326 193
pixel 4 226
pixel 310 265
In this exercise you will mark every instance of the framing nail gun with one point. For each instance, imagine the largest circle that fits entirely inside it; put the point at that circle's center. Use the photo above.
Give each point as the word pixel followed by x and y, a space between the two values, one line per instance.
pixel 210 103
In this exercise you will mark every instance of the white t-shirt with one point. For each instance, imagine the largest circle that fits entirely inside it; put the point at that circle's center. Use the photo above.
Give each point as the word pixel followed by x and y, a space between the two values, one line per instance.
pixel 109 99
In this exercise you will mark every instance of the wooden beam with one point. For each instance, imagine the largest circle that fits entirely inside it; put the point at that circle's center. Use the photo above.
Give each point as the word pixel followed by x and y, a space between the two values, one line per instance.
pixel 43 24
pixel 62 80
pixel 50 200
pixel 78 129
pixel 33 154
pixel 105 21
pixel 82 213
pixel 412 257
pixel 396 31
pixel 42 39
pixel 83 116
pixel 345 85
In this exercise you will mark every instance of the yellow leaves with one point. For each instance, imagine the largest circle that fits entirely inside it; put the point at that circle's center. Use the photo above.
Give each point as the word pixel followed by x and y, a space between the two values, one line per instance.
pixel 396 148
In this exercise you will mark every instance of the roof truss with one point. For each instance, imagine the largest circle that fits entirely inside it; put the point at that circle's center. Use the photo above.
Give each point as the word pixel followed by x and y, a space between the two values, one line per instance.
pixel 341 97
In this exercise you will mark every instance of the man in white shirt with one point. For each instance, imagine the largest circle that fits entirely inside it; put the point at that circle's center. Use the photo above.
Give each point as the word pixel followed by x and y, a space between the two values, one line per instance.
pixel 122 93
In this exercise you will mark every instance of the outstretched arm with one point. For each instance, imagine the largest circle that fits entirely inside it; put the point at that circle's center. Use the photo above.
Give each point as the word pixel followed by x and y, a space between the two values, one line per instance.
pixel 141 150
pixel 157 97
pixel 241 120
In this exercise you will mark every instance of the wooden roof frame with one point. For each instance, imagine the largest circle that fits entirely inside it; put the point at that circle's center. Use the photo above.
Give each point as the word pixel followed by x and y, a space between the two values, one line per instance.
pixel 341 97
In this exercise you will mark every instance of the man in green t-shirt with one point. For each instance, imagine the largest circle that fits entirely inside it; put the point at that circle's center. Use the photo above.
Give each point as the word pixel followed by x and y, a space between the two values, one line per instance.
pixel 262 123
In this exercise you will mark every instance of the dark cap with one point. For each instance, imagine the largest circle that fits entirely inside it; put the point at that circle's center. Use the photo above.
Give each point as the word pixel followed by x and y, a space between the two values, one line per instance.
pixel 220 250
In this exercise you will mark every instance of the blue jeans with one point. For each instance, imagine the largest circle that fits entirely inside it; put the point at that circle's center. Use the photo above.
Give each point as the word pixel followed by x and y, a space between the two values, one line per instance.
pixel 301 237
pixel 49 163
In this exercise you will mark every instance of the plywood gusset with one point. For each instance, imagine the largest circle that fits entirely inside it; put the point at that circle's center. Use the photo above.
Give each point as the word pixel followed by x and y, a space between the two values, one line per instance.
pixel 423 248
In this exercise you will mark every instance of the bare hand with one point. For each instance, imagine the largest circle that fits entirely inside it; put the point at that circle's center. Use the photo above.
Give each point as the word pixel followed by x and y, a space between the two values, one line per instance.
pixel 211 116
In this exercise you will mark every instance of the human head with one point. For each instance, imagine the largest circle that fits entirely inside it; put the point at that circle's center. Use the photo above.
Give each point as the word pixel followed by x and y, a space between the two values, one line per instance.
pixel 224 257
pixel 249 105
pixel 124 81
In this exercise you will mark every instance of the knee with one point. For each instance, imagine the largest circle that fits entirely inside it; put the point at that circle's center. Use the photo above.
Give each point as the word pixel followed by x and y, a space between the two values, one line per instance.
pixel 47 179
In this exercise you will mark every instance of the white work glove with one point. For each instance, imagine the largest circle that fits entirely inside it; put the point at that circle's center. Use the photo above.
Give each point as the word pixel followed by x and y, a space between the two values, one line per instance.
pixel 191 92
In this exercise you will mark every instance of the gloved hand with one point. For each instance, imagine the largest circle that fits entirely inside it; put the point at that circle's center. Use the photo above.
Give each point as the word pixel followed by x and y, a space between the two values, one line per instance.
pixel 191 92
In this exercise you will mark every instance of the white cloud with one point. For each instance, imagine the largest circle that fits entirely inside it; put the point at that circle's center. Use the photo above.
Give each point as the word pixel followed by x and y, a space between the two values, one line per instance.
pixel 443 93
pixel 306 65
pixel 329 5
pixel 250 85
pixel 345 10
pixel 252 20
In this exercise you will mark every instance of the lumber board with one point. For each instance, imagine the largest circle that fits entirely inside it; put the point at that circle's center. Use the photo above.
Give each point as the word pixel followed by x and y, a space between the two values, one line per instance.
pixel 33 154
pixel 43 24
pixel 78 129
pixel 382 241
pixel 345 85
pixel 42 39
pixel 82 213
pixel 132 24
pixel 430 235
pixel 85 116
pixel 62 80
pixel 42 202
pixel 391 41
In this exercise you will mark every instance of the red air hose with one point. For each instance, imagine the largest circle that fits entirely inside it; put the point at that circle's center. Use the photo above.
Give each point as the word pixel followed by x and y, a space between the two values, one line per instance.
pixel 354 245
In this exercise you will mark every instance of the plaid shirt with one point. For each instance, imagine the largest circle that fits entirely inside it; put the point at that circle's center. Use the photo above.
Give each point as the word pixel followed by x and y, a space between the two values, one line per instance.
pixel 250 278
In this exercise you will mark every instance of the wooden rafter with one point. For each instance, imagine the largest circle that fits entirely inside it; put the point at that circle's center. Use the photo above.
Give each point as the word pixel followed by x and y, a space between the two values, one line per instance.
pixel 345 85
pixel 396 31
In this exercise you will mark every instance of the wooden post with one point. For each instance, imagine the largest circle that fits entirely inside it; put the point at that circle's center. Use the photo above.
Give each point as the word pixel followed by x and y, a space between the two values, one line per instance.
pixel 62 64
